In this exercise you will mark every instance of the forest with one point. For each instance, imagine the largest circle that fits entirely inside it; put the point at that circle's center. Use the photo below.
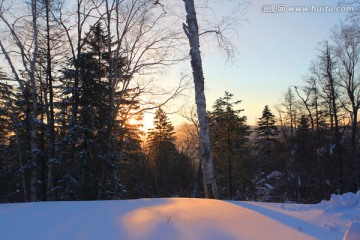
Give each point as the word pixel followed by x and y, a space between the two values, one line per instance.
pixel 75 82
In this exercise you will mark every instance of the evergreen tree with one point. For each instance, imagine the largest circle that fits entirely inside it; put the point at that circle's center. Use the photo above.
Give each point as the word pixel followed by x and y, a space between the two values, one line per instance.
pixel 90 165
pixel 229 135
pixel 8 167
pixel 80 177
pixel 93 70
pixel 267 129
pixel 266 133
pixel 14 142
pixel 171 168
pixel 269 164
pixel 304 165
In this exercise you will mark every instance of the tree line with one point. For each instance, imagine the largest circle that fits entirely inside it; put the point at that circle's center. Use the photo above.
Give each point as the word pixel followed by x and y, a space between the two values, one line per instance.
pixel 74 75
pixel 307 147
pixel 71 84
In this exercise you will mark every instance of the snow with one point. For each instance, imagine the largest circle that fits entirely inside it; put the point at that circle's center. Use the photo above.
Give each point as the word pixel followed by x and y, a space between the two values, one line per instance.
pixel 321 151
pixel 270 176
pixel 349 199
pixel 269 186
pixel 274 174
pixel 182 218
pixel 332 148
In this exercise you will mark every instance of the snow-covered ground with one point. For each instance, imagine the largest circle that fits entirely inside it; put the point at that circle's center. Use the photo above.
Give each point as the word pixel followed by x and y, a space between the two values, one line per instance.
pixel 181 218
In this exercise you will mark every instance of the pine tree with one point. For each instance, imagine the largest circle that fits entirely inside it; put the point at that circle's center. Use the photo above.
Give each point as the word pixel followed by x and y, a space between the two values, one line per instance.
pixel 8 166
pixel 229 135
pixel 266 133
pixel 304 164
pixel 171 168
pixel 266 125
pixel 90 167
pixel 99 147
pixel 268 162
pixel 14 142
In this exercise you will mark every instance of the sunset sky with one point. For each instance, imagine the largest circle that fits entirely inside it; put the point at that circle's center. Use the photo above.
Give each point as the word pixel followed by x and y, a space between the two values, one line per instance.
pixel 274 52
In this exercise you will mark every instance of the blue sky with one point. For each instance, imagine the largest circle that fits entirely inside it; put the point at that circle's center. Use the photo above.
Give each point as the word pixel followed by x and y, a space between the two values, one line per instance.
pixel 275 52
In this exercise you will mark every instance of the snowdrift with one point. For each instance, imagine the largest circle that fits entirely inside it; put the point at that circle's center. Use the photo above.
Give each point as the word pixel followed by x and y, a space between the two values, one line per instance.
pixel 177 218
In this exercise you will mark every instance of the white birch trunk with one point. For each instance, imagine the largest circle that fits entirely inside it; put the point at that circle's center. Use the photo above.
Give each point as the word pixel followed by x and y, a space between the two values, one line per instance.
pixel 50 109
pixel 33 143
pixel 192 32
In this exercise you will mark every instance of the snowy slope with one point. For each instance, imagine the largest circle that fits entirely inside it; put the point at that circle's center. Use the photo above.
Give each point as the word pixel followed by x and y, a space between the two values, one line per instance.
pixel 177 218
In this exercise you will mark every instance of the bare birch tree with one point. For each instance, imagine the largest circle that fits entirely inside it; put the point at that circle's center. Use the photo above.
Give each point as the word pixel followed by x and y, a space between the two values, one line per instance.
pixel 192 32
pixel 347 52
pixel 330 88
pixel 25 47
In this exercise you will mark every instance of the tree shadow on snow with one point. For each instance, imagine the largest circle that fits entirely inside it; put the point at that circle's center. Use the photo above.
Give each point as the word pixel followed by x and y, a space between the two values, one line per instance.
pixel 315 231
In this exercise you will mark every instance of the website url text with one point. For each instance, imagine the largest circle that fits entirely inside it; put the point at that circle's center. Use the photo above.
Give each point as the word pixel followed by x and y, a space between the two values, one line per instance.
pixel 281 8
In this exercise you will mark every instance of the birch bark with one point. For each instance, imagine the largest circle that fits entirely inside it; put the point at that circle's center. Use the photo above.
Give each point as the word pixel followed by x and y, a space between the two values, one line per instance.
pixel 33 139
pixel 192 32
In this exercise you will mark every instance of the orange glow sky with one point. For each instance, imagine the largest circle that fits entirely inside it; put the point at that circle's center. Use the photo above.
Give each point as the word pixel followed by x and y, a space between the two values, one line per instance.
pixel 275 52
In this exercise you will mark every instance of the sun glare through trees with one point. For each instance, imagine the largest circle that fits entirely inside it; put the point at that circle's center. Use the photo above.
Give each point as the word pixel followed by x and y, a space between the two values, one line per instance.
pixel 120 100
